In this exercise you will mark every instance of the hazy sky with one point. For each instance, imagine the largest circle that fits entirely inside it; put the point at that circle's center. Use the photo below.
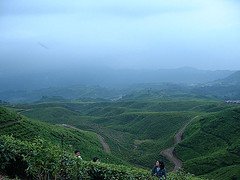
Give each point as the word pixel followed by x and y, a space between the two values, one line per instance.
pixel 38 34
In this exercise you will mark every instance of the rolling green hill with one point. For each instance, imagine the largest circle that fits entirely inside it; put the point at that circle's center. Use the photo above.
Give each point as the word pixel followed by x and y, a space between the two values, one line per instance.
pixel 23 128
pixel 45 152
pixel 136 131
pixel 211 146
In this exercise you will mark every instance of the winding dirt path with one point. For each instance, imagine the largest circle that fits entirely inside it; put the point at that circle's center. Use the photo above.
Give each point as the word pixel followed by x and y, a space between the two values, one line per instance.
pixel 169 153
pixel 105 145
pixel 101 139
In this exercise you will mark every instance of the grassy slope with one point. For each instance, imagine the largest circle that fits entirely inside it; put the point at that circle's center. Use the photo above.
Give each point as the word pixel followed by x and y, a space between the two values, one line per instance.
pixel 153 131
pixel 211 144
pixel 136 131
pixel 27 129
pixel 229 172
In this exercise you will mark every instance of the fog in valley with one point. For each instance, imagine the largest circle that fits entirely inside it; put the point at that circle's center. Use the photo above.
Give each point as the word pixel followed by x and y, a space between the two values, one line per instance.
pixel 61 43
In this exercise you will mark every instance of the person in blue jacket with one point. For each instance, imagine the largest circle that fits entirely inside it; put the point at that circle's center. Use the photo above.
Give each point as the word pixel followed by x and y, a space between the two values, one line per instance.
pixel 159 170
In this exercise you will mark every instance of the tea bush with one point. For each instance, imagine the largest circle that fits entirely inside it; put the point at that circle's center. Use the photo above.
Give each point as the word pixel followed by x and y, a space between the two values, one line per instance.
pixel 42 160
pixel 47 161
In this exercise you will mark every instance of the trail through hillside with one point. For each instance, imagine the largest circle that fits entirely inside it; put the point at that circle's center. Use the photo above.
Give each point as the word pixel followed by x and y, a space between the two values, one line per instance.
pixel 101 139
pixel 169 152
pixel 106 147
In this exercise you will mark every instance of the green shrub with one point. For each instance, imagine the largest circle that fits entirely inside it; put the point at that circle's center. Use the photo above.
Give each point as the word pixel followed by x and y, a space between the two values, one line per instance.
pixel 46 161
pixel 43 160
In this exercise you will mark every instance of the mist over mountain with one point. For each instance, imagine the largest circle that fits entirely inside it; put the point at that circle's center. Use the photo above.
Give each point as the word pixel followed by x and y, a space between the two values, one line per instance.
pixel 233 79
pixel 106 77
pixel 107 84
pixel 226 88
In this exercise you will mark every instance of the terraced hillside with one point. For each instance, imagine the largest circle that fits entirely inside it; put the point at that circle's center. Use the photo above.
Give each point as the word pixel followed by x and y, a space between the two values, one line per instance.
pixel 37 150
pixel 69 139
pixel 136 131
pixel 211 146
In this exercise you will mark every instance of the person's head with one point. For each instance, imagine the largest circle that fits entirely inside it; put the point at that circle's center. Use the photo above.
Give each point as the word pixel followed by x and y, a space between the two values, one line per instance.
pixel 77 153
pixel 157 163
pixel 161 164
pixel 95 159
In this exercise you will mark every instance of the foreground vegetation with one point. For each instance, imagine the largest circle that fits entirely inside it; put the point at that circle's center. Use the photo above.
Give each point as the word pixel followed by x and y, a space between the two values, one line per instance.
pixel 31 149
pixel 40 159
pixel 27 129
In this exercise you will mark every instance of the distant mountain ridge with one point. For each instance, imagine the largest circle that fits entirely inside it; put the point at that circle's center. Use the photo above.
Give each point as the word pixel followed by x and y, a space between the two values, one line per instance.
pixel 106 77
pixel 226 88
pixel 233 79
